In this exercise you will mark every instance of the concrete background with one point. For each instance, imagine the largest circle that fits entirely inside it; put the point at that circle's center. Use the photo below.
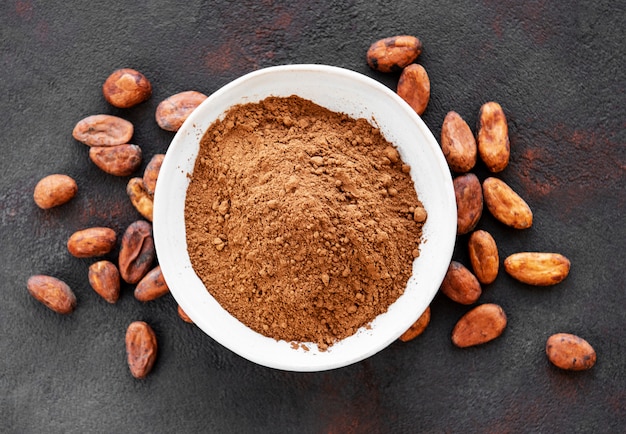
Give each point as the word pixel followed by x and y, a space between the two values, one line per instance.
pixel 557 68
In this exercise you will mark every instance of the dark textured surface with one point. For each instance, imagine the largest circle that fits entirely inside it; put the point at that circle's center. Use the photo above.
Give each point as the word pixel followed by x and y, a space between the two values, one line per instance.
pixel 557 68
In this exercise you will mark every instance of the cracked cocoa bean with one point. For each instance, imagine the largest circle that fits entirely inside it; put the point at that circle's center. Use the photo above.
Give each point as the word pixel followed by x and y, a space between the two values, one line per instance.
pixel 140 198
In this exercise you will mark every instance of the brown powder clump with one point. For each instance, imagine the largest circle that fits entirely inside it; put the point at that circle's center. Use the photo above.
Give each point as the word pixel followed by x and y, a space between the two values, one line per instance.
pixel 300 221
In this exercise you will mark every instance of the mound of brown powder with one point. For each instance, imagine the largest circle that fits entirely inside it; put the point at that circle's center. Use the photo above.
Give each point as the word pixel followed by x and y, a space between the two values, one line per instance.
pixel 301 222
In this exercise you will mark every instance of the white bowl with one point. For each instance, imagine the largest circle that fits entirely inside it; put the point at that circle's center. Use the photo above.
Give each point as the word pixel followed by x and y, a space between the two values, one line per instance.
pixel 339 90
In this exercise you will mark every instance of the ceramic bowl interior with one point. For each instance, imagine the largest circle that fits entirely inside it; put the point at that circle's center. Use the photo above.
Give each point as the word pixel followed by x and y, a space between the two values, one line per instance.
pixel 339 90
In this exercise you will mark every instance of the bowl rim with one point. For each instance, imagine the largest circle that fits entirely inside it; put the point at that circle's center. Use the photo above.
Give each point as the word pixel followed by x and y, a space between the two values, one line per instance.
pixel 161 228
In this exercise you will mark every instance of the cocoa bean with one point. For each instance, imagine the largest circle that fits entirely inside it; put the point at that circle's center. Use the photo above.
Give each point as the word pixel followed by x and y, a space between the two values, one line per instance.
pixel 104 278
pixel 570 352
pixel 537 268
pixel 103 130
pixel 152 286
pixel 173 111
pixel 137 251
pixel 54 190
pixel 414 87
pixel 141 348
pixel 151 173
pixel 53 293
pixel 140 198
pixel 469 202
pixel 120 160
pixel 394 53
pixel 126 87
pixel 460 285
pixel 493 137
pixel 458 143
pixel 483 254
pixel 91 242
pixel 183 315
pixel 506 205
pixel 417 328
pixel 482 324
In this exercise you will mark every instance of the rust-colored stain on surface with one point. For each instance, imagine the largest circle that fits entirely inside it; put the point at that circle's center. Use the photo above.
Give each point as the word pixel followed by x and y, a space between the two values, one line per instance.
pixel 551 167
pixel 251 44
pixel 24 10
pixel 361 413
pixel 530 15
pixel 225 57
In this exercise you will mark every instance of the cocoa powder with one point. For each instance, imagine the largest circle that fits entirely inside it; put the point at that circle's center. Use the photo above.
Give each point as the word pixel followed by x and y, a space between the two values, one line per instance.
pixel 300 221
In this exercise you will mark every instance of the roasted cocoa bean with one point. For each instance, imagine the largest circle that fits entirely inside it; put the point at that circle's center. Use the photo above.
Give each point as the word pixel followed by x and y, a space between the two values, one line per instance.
pixel 140 198
pixel 537 268
pixel 460 285
pixel 570 352
pixel 152 286
pixel 458 143
pixel 103 130
pixel 183 315
pixel 91 242
pixel 414 87
pixel 136 251
pixel 54 190
pixel 120 160
pixel 104 278
pixel 417 328
pixel 151 173
pixel 493 137
pixel 469 202
pixel 126 87
pixel 394 53
pixel 53 293
pixel 482 324
pixel 506 205
pixel 141 348
pixel 483 254
pixel 173 111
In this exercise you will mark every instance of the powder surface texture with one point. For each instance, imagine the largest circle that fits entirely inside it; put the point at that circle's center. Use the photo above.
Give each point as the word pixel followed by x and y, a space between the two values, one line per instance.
pixel 301 222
